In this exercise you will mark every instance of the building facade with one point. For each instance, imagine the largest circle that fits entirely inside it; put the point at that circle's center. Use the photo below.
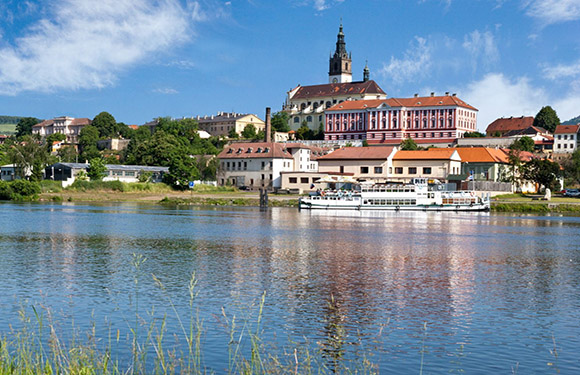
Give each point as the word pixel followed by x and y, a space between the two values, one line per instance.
pixel 432 119
pixel 69 126
pixel 566 138
pixel 223 123
pixel 364 163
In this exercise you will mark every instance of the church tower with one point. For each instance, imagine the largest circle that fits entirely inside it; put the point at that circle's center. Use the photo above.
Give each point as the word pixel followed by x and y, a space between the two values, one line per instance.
pixel 340 63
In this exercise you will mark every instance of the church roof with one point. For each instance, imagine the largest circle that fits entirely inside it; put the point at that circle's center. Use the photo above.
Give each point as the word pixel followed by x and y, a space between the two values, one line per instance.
pixel 338 89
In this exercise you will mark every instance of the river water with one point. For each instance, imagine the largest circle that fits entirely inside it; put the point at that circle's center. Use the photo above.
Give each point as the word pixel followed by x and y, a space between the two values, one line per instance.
pixel 478 293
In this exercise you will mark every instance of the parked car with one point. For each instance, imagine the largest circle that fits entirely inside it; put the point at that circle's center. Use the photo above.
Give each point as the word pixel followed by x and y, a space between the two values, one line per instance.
pixel 572 193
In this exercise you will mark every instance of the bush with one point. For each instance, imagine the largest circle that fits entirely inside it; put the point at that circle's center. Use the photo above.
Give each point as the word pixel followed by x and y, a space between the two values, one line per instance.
pixel 24 190
pixel 5 191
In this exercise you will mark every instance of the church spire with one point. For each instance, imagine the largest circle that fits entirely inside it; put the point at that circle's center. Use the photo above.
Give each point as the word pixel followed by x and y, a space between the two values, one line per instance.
pixel 340 63
pixel 366 72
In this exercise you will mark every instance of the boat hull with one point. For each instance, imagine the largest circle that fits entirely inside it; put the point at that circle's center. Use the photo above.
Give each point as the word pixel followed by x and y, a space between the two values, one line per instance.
pixel 306 205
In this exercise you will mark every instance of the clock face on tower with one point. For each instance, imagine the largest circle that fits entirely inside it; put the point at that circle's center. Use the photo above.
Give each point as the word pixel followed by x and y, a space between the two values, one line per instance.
pixel 334 80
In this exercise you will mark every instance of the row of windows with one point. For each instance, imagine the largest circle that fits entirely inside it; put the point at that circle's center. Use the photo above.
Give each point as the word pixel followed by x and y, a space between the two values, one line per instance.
pixel 413 170
pixel 390 202
pixel 566 145
pixel 308 119
pixel 566 136
pixel 303 180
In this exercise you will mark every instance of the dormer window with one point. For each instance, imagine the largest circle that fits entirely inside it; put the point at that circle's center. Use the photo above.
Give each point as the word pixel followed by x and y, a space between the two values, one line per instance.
pixel 230 150
pixel 266 150
pixel 240 150
pixel 259 150
pixel 249 150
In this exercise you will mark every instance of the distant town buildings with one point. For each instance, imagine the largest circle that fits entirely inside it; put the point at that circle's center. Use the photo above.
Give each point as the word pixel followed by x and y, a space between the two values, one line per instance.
pixel 222 123
pixel 69 126
pixel 502 126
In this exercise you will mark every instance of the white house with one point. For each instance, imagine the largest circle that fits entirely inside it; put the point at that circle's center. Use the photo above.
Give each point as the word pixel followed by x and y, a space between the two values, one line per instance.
pixel 566 138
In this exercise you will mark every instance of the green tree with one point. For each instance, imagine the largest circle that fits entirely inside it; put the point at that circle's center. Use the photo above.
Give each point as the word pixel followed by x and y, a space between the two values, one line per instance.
pixel 88 143
pixel 97 169
pixel 547 119
pixel 106 125
pixel 365 143
pixel 542 171
pixel 67 154
pixel 408 145
pixel 233 134
pixel 29 155
pixel 279 122
pixel 304 132
pixel 572 167
pixel 24 126
pixel 523 144
pixel 249 132
pixel 473 135
pixel 182 169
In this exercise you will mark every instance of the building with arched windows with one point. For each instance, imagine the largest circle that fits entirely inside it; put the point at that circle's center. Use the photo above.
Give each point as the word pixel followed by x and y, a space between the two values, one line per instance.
pixel 305 105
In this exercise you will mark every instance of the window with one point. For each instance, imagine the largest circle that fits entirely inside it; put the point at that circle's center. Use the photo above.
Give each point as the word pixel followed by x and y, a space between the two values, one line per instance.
pixel 364 170
pixel 296 120
pixel 309 118
pixel 303 180
pixel 378 170
pixel 398 170
pixel 412 170
pixel 293 180
pixel 426 170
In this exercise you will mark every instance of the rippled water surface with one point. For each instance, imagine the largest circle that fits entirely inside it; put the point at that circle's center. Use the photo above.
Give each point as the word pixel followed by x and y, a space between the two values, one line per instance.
pixel 473 293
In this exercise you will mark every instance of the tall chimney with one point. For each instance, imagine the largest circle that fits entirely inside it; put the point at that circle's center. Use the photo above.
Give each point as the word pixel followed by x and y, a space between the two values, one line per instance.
pixel 268 132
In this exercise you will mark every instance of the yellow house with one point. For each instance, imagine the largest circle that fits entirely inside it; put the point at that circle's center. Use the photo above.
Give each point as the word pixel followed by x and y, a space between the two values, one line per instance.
pixel 363 163
pixel 435 163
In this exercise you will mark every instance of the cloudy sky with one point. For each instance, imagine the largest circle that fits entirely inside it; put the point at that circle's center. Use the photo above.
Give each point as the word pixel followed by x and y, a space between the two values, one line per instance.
pixel 140 59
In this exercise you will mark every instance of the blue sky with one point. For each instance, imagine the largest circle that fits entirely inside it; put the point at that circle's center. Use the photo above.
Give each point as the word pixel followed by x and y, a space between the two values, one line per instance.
pixel 140 59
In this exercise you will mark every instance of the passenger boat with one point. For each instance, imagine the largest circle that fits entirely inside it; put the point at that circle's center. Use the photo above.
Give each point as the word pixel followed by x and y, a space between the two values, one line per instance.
pixel 417 195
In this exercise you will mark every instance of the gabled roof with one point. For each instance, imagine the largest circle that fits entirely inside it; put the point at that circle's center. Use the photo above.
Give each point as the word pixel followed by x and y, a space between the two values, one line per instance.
pixel 503 125
pixel 251 150
pixel 359 153
pixel 430 154
pixel 532 130
pixel 415 102
pixel 567 129
pixel 338 89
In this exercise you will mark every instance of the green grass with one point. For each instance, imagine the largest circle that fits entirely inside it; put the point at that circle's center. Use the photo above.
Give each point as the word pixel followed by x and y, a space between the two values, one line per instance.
pixel 214 189
pixel 80 185
pixel 248 202
pixel 8 129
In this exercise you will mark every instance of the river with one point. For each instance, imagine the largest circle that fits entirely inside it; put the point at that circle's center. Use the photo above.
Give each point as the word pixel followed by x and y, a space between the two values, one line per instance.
pixel 441 293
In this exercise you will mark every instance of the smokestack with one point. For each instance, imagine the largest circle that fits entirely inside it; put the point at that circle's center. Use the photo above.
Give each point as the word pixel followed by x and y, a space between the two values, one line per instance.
pixel 268 132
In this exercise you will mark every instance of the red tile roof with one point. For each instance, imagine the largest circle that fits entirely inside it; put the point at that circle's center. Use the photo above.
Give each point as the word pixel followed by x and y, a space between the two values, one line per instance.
pixel 423 101
pixel 481 155
pixel 504 125
pixel 359 153
pixel 338 89
pixel 75 121
pixel 566 129
pixel 249 150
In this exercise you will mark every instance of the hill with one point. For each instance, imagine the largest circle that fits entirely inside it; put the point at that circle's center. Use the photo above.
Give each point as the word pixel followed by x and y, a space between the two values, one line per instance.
pixel 8 124
pixel 574 121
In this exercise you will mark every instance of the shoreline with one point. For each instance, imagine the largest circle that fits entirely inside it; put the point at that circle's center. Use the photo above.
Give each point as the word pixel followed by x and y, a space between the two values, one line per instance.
pixel 252 199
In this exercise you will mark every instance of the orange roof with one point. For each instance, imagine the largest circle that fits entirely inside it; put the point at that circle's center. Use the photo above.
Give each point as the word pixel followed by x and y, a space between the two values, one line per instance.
pixel 430 154
pixel 504 125
pixel 423 101
pixel 359 153
pixel 566 129
pixel 134 127
pixel 336 89
pixel 481 155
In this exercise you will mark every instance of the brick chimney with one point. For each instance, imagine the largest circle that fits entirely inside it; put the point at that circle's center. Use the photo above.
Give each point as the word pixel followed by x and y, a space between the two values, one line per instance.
pixel 268 130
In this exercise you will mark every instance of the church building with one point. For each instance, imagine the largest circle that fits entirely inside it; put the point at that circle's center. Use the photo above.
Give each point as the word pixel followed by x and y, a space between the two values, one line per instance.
pixel 306 104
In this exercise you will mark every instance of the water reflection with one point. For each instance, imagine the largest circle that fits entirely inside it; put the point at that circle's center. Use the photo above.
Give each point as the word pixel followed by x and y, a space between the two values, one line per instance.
pixel 345 282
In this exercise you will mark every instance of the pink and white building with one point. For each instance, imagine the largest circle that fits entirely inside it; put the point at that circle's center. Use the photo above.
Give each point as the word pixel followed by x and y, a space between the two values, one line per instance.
pixel 432 119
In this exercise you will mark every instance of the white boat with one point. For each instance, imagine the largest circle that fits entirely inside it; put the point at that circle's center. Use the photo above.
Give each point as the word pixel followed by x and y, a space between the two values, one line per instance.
pixel 416 196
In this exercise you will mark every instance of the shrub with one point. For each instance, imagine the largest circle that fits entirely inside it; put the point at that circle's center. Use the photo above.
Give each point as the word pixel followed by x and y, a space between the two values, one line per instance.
pixel 5 191
pixel 24 190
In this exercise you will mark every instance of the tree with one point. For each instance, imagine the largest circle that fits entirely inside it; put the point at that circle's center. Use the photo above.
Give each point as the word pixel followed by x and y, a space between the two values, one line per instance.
pixel 473 135
pixel 88 143
pixel 106 125
pixel 304 132
pixel 249 132
pixel 523 144
pixel 547 119
pixel 24 126
pixel 29 155
pixel 280 122
pixel 572 167
pixel 542 171
pixel 233 134
pixel 97 169
pixel 408 145
pixel 67 154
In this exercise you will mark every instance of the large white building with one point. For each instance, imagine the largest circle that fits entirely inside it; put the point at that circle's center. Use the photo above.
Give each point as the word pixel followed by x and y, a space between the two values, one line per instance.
pixel 306 104
pixel 69 126
pixel 566 138
pixel 260 164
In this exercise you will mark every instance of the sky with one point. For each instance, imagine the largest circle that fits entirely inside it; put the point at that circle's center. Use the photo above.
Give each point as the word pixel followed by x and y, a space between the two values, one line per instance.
pixel 142 59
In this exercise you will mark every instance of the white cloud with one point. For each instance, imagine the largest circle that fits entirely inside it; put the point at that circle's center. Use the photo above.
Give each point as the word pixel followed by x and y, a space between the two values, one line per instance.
pixel 86 43
pixel 166 91
pixel 319 5
pixel 553 11
pixel 562 71
pixel 496 95
pixel 481 46
pixel 415 63
pixel 206 10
